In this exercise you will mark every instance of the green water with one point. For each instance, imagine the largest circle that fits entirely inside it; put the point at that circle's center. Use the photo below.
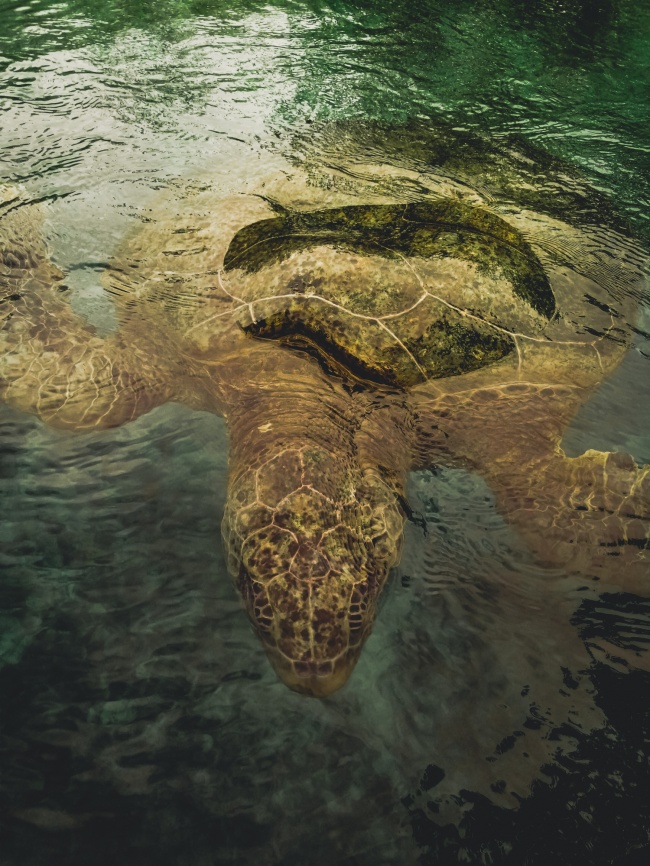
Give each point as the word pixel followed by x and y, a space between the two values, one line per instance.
pixel 140 721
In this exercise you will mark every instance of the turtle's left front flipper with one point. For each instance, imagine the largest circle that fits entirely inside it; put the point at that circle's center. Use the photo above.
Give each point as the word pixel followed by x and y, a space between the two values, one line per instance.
pixel 52 363
pixel 589 515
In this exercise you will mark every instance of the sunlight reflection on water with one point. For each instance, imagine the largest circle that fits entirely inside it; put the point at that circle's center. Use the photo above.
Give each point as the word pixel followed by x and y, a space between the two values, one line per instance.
pixel 140 704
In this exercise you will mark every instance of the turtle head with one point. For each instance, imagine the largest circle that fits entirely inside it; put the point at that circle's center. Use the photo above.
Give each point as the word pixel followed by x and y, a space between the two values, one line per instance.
pixel 311 540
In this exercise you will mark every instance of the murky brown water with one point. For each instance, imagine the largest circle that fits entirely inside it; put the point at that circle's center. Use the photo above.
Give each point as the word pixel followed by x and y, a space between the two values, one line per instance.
pixel 499 711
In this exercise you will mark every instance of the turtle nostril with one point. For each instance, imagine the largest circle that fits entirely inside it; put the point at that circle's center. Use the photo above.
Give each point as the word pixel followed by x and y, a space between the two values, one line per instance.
pixel 313 669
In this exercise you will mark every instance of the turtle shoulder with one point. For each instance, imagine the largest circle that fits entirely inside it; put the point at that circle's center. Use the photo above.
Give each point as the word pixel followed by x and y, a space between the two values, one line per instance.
pixel 168 265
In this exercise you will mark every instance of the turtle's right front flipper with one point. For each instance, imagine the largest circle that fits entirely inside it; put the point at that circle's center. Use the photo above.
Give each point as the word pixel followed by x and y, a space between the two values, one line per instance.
pixel 52 363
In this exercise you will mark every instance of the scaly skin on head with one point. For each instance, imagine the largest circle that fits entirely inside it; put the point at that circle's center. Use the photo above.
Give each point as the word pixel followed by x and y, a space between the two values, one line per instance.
pixel 312 531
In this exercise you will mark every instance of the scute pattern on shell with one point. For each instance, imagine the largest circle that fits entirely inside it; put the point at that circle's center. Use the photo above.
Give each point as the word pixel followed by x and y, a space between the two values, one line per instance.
pixel 394 329
pixel 421 230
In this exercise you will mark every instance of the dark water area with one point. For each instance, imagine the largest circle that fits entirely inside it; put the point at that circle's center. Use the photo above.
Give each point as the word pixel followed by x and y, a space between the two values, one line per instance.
pixel 500 711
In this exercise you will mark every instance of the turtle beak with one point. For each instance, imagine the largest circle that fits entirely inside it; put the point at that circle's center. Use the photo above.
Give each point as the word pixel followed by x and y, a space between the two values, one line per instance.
pixel 315 679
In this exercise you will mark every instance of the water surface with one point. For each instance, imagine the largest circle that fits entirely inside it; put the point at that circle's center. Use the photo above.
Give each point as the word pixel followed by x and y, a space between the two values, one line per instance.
pixel 500 712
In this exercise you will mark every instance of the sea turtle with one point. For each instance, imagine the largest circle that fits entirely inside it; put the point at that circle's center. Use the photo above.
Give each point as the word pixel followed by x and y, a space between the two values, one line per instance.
pixel 389 298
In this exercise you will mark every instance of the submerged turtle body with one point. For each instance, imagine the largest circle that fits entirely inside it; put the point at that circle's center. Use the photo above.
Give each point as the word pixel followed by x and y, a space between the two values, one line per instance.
pixel 353 321
pixel 414 293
